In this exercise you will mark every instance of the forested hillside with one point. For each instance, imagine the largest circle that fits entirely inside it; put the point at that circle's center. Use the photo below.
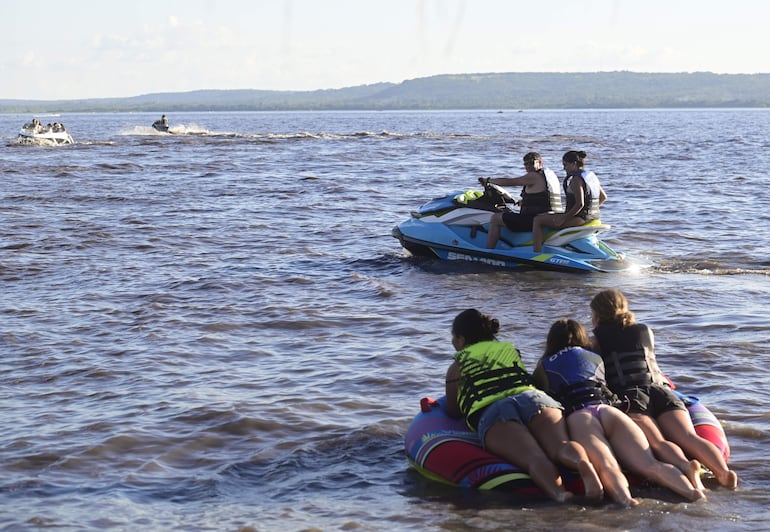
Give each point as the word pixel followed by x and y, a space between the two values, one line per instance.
pixel 461 91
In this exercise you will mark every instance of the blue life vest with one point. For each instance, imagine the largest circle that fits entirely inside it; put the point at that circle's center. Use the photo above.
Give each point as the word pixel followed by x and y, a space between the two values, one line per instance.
pixel 575 378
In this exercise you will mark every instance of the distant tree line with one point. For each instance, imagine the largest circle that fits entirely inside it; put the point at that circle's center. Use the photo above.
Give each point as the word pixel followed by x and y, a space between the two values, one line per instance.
pixel 596 90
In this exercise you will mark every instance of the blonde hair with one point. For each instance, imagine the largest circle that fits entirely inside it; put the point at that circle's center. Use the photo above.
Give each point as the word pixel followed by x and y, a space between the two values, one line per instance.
pixel 611 307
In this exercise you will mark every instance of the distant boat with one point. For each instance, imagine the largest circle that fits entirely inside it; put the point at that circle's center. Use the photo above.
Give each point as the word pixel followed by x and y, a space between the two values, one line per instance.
pixel 34 134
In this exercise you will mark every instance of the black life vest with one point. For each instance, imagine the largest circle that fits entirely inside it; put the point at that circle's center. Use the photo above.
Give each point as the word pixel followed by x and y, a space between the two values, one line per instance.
pixel 629 356
pixel 547 200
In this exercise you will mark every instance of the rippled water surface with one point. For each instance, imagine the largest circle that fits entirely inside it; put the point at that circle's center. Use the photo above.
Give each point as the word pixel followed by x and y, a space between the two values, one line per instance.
pixel 215 330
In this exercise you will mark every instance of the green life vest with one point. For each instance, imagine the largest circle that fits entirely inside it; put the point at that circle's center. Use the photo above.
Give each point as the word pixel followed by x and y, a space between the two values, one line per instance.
pixel 489 371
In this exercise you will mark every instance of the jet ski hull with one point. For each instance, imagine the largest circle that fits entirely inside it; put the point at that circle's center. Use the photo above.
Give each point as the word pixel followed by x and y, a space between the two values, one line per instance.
pixel 445 230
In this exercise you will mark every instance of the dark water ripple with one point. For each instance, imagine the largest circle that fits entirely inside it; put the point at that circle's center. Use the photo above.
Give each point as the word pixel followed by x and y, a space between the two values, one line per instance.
pixel 215 329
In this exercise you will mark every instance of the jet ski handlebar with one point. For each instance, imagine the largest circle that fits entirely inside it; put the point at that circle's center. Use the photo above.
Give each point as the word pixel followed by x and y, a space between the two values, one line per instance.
pixel 497 191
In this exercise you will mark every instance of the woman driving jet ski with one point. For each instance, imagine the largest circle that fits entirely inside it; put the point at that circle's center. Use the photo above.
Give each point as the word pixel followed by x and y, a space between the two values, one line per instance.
pixel 540 194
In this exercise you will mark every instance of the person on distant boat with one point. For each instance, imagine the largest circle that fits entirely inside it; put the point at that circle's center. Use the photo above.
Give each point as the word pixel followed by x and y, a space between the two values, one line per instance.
pixel 540 194
pixel 583 193
pixel 573 375
pixel 488 385
pixel 628 351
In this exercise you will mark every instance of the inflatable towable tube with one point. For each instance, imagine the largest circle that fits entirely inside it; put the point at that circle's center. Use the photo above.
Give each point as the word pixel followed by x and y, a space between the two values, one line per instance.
pixel 443 449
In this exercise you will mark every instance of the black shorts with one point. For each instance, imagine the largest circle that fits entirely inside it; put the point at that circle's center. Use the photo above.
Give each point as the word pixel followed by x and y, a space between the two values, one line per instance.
pixel 653 400
pixel 518 223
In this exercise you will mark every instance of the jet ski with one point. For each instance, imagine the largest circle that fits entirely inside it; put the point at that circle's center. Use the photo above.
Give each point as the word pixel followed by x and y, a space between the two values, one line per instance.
pixel 160 125
pixel 454 227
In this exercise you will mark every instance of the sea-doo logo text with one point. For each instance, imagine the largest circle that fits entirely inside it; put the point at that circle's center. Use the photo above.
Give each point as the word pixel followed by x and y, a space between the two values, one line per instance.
pixel 470 258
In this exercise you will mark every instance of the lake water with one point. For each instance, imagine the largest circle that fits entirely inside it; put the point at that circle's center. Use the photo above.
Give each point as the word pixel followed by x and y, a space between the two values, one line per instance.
pixel 215 330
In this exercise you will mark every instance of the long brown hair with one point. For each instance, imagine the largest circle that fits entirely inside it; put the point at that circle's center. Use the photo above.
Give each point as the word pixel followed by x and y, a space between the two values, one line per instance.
pixel 566 333
pixel 611 307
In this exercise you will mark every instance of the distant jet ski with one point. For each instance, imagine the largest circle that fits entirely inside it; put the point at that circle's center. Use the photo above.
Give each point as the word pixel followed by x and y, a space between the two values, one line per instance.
pixel 161 125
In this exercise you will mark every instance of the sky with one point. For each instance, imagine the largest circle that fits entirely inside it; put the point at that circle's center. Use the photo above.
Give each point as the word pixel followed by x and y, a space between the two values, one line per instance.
pixel 76 49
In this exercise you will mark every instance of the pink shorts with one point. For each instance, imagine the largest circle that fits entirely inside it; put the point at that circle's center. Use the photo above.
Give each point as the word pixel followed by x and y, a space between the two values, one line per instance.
pixel 594 409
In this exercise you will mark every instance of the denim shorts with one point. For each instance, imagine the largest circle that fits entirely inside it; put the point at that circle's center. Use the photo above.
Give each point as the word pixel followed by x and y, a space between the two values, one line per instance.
pixel 521 407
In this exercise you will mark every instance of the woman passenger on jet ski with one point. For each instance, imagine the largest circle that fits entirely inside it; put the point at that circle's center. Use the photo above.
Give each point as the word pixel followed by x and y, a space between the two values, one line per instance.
pixel 583 193
pixel 540 194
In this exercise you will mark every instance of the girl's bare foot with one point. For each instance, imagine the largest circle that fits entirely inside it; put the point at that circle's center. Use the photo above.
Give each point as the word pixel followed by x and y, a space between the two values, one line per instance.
pixel 630 503
pixel 729 480
pixel 591 483
pixel 693 475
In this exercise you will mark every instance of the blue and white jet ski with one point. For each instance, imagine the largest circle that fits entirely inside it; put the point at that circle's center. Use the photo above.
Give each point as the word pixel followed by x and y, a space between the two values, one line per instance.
pixel 454 227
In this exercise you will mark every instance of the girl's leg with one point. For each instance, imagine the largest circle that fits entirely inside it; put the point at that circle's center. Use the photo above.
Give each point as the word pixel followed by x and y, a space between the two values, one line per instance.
pixel 512 441
pixel 667 451
pixel 634 453
pixel 540 221
pixel 677 426
pixel 587 430
pixel 495 226
pixel 549 220
pixel 550 430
